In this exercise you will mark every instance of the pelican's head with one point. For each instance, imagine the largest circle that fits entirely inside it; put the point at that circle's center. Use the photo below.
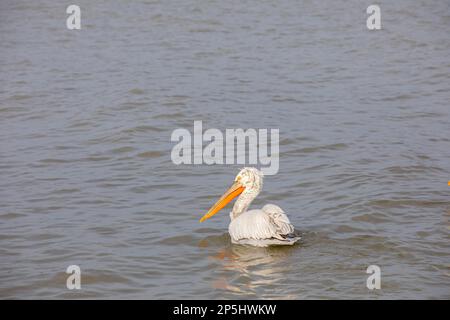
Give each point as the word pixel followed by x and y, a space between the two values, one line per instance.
pixel 251 179
pixel 248 180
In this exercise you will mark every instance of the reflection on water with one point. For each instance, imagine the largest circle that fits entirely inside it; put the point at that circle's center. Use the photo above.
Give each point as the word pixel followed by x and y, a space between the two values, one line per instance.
pixel 245 269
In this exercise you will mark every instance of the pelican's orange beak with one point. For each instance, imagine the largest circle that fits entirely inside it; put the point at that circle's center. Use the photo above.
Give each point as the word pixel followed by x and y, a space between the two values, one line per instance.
pixel 235 190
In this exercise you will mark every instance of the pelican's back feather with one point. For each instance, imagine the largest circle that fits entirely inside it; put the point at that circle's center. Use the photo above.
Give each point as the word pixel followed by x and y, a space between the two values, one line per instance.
pixel 278 219
pixel 269 223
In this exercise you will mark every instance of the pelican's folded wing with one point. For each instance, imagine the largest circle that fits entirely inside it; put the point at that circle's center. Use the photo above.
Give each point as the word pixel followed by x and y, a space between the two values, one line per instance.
pixel 269 223
pixel 279 221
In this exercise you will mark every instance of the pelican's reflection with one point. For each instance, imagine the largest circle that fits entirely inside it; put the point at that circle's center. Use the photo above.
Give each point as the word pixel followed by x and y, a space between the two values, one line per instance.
pixel 248 270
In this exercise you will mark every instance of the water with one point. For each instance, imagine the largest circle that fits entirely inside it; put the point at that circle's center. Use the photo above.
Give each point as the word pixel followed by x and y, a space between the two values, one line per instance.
pixel 85 124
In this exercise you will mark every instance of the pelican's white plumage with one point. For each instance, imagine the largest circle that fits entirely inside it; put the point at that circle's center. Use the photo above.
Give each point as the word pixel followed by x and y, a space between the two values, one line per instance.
pixel 259 227
pixel 269 223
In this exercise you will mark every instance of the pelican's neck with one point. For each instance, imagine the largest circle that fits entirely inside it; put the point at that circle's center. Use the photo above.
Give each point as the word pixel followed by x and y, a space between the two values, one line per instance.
pixel 243 202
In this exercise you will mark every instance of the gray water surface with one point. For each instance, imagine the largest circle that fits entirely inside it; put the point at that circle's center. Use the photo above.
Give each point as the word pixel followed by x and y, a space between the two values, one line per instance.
pixel 86 176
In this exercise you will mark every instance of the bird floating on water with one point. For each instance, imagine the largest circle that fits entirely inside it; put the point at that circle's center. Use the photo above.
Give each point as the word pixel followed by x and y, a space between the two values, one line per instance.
pixel 258 227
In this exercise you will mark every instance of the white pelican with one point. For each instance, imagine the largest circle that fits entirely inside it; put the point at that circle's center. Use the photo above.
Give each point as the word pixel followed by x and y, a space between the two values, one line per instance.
pixel 259 227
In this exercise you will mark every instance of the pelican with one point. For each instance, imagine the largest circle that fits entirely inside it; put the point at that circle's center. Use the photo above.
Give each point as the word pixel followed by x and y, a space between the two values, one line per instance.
pixel 258 227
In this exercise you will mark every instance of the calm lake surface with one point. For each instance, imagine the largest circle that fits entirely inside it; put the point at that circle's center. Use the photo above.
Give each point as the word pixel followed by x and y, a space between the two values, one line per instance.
pixel 86 176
